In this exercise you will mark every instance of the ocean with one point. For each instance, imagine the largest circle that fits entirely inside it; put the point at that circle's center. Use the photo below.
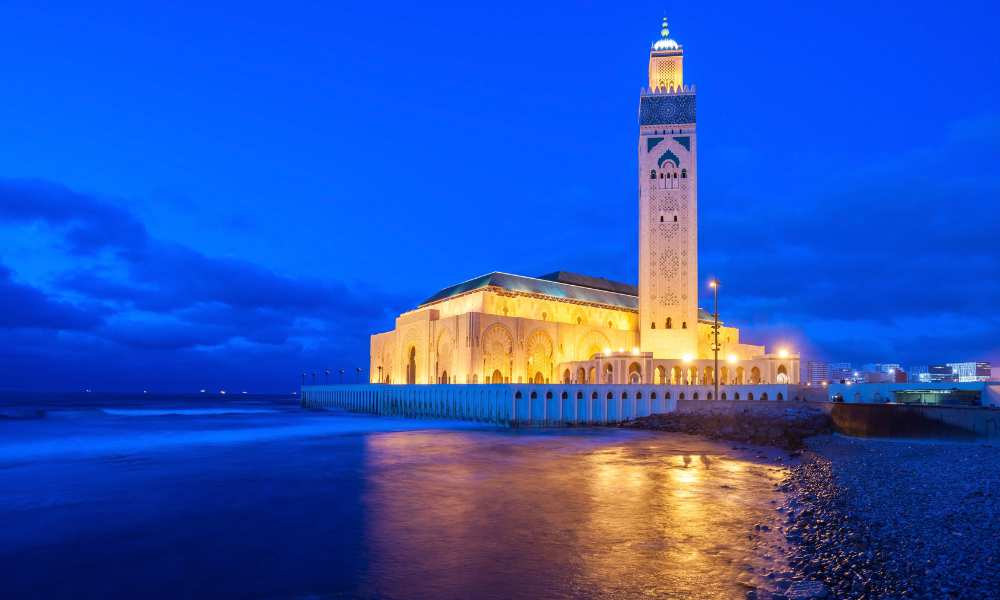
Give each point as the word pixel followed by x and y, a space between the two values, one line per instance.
pixel 144 496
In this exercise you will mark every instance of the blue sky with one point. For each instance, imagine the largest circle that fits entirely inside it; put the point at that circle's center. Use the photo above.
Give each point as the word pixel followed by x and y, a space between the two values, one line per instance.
pixel 227 195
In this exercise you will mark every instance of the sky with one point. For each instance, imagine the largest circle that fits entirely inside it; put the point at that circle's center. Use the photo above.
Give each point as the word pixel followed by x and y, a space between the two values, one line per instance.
pixel 207 195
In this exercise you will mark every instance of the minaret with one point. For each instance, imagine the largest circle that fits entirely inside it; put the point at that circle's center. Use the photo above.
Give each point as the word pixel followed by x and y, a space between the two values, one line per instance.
pixel 668 206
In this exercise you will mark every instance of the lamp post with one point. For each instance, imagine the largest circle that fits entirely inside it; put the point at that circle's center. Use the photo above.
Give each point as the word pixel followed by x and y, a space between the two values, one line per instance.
pixel 326 372
pixel 714 284
pixel 341 376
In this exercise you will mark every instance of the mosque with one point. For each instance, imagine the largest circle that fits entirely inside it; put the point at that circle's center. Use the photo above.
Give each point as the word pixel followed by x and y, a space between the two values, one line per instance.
pixel 577 329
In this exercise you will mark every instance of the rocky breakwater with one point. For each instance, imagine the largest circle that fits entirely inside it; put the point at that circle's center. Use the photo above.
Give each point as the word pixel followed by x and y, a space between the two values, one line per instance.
pixel 783 425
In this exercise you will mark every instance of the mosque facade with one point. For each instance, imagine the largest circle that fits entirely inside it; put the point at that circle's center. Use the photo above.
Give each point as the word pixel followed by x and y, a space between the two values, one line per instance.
pixel 570 328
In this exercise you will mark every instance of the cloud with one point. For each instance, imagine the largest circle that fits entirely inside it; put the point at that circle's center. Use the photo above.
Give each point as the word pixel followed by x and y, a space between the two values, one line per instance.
pixel 158 296
pixel 23 306
pixel 900 247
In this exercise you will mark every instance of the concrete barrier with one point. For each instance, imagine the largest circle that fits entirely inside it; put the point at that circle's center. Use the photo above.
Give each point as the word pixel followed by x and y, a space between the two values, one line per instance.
pixel 535 405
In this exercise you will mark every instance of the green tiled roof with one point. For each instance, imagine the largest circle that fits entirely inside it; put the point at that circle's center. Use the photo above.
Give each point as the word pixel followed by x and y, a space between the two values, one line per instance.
pixel 559 285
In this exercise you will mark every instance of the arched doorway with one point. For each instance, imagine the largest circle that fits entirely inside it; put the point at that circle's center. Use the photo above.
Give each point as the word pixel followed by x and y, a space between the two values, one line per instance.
pixel 592 376
pixel 709 377
pixel 538 378
pixel 740 374
pixel 675 375
pixel 782 376
pixel 634 373
pixel 661 375
pixel 581 375
pixel 411 365
pixel 755 375
pixel 566 376
pixel 609 373
pixel 692 374
pixel 723 375
pixel 497 377
pixel 443 378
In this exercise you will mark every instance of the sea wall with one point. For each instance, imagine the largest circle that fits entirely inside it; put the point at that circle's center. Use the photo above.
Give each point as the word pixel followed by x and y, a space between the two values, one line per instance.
pixel 903 420
pixel 529 404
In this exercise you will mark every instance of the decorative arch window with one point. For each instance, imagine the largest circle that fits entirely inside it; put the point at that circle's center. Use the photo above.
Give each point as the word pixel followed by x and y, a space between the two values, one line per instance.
pixel 661 218
pixel 684 325
pixel 675 218
pixel 517 395
pixel 579 320
pixel 579 395
pixel 670 323
pixel 610 325
pixel 565 396
pixel 652 325
pixel 593 396
pixel 611 396
pixel 638 395
pixel 534 395
pixel 652 395
pixel 548 395
pixel 652 174
pixel 684 173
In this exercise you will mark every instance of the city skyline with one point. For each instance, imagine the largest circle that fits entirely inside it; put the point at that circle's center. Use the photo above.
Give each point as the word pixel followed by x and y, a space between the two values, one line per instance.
pixel 210 212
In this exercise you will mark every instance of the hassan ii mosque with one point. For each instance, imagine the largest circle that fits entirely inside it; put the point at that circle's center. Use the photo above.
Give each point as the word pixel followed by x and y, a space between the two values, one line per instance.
pixel 570 328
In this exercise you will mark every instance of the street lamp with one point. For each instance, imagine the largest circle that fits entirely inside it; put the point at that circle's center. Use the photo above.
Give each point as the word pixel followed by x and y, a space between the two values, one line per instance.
pixel 341 376
pixel 326 372
pixel 714 284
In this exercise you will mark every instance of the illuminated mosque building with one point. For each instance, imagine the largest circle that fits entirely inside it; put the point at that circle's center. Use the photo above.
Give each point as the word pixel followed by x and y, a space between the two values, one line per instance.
pixel 570 328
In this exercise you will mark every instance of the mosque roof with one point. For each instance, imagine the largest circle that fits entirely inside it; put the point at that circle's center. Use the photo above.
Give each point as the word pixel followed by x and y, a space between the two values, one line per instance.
pixel 560 285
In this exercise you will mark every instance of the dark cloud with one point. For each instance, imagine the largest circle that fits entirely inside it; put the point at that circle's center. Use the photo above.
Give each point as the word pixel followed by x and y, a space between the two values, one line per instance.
pixel 23 306
pixel 164 297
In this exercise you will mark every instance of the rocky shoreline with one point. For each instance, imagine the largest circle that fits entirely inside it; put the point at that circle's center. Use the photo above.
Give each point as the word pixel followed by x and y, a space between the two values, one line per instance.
pixel 780 425
pixel 867 518
pixel 896 518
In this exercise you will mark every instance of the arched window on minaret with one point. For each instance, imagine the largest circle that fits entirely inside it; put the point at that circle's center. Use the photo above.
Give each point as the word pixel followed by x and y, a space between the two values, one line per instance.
pixel 684 173
pixel 652 173
pixel 670 323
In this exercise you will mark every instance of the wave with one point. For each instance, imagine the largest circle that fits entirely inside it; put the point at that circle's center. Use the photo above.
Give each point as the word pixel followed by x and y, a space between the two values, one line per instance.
pixel 157 412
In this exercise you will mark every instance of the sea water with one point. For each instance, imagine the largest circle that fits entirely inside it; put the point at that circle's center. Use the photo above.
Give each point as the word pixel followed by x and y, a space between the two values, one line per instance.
pixel 167 497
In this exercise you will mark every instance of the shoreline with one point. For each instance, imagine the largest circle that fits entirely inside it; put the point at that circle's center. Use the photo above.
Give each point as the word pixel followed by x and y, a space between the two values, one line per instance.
pixel 879 518
pixel 865 518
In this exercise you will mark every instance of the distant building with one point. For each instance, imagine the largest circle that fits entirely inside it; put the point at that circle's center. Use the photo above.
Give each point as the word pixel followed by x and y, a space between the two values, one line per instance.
pixel 918 374
pixel 840 372
pixel 971 371
pixel 817 372
pixel 938 373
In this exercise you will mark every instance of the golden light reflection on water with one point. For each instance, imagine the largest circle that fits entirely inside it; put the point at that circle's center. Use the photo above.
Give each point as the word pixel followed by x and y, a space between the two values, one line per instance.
pixel 594 514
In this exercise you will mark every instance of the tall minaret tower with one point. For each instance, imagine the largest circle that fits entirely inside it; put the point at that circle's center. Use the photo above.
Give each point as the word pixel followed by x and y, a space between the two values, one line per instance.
pixel 668 206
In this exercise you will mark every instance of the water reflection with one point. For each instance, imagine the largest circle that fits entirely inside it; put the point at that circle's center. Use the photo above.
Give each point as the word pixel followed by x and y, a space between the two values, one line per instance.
pixel 591 514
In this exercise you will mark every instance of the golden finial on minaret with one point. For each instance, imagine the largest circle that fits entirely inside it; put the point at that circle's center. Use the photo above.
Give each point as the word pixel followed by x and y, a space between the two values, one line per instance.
pixel 666 62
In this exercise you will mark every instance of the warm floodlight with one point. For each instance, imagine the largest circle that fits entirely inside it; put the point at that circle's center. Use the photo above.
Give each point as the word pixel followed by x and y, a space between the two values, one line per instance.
pixel 731 359
pixel 635 351
pixel 686 358
pixel 783 353
pixel 607 352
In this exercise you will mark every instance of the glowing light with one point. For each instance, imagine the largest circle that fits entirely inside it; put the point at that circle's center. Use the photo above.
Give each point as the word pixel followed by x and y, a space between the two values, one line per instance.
pixel 621 350
pixel 607 352
pixel 732 359
pixel 713 284
pixel 783 352
pixel 635 351
pixel 686 358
